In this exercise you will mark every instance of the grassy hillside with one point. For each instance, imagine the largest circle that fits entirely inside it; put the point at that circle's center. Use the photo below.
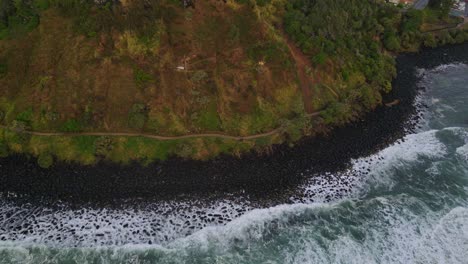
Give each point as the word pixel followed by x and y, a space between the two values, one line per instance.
pixel 145 66
pixel 172 68
pixel 162 68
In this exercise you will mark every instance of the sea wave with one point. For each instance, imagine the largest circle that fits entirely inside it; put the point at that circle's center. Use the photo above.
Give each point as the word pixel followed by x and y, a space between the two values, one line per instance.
pixel 393 229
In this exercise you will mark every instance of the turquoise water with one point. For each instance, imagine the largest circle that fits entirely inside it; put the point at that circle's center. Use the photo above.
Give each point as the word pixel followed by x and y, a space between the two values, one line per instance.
pixel 411 208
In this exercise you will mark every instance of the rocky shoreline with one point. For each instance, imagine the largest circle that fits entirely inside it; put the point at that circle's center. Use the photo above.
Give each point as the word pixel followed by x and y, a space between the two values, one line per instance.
pixel 260 176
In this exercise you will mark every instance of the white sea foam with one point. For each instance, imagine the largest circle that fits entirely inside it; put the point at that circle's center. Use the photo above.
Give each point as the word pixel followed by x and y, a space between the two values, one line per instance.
pixel 463 152
pixel 156 223
pixel 374 170
pixel 401 237
pixel 393 234
pixel 449 238
pixel 421 72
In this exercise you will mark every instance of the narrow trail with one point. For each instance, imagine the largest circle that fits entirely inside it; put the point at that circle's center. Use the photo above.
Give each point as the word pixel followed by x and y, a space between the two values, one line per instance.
pixel 306 82
pixel 146 135
pixel 151 136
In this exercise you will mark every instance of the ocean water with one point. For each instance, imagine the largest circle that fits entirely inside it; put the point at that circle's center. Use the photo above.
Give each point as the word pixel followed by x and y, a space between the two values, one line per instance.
pixel 405 204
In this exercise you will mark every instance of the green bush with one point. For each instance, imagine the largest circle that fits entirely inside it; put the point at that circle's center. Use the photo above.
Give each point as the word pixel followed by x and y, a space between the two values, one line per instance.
pixel 3 68
pixel 430 41
pixel 184 149
pixel 413 20
pixel 41 4
pixel 141 77
pixel 18 17
pixel 103 145
pixel 26 116
pixel 461 37
pixel 4 152
pixel 71 125
pixel 320 58
pixel 392 42
pixel 45 160
pixel 19 126
pixel 138 116
pixel 199 76
pixel 336 113
pixel 208 119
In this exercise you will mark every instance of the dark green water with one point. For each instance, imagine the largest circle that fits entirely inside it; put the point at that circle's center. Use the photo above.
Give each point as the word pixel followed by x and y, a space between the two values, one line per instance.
pixel 411 208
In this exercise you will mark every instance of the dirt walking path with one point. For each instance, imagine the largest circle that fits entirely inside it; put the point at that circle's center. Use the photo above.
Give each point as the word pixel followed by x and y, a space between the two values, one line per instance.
pixel 302 64
pixel 146 135
pixel 151 136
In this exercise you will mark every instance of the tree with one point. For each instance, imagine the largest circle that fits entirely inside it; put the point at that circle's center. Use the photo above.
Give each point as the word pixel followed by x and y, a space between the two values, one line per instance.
pixel 392 42
pixel 430 41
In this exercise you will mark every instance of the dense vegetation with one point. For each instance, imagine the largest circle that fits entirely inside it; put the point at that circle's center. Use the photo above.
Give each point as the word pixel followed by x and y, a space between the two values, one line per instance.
pixel 172 67
pixel 354 41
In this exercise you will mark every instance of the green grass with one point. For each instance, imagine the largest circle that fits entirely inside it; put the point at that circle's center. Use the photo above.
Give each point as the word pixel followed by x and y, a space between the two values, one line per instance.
pixel 3 66
pixel 84 144
pixel 71 125
pixel 26 116
pixel 208 119
pixel 8 108
pixel 141 77
pixel 82 149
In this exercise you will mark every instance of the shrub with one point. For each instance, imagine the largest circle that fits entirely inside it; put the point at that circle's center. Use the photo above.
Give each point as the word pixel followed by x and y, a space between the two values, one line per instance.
pixel 336 113
pixel 138 116
pixel 103 145
pixel 71 125
pixel 25 116
pixel 208 118
pixel 18 126
pixel 430 41
pixel 45 160
pixel 445 38
pixel 199 76
pixel 461 37
pixel 184 150
pixel 3 150
pixel 141 77
pixel 392 42
pixel 320 58
pixel 413 20
pixel 3 68
pixel 41 4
